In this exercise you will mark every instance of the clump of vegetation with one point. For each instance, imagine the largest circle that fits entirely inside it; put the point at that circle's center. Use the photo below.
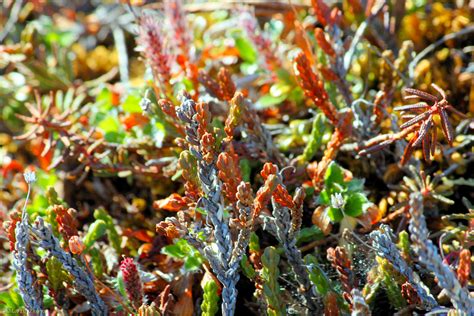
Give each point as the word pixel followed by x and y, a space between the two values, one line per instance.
pixel 275 158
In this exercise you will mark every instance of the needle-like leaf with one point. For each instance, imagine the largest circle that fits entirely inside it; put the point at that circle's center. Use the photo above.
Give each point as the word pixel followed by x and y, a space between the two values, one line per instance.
pixel 420 105
pixel 415 120
pixel 419 94
pixel 447 128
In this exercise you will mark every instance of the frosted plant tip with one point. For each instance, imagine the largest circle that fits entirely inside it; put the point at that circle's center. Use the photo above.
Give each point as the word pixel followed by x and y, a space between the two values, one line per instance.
pixel 337 201
pixel 145 102
pixel 30 176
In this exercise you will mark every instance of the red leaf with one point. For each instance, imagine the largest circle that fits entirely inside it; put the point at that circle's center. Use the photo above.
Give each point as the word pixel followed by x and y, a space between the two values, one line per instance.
pixel 140 234
pixel 134 119
pixel 172 203
pixel 13 166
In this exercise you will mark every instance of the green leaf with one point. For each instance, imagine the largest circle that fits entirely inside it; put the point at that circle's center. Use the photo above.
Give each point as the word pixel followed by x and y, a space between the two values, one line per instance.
pixel 200 210
pixel 11 302
pixel 404 243
pixel 97 263
pixel 317 275
pixel 442 198
pixel 285 76
pixel 48 301
pixel 246 50
pixel 64 39
pixel 192 263
pixel 309 191
pixel 254 244
pixel 52 196
pixel 355 185
pixel 296 95
pixel 245 169
pixel 309 234
pixel 182 250
pixel 120 284
pixel 247 268
pixel 112 234
pixel 335 214
pixel 461 181
pixel 38 206
pixel 45 179
pixel 285 141
pixel 279 89
pixel 268 100
pixel 132 104
pixel 104 99
pixel 114 137
pixel 6 299
pixel 334 175
pixel 109 124
pixel 16 298
pixel 248 68
pixel 324 198
pixel 56 274
pixel 177 175
pixel 210 299
pixel 355 204
pixel 315 138
pixel 51 219
pixel 96 231
pixel 271 289
pixel 174 251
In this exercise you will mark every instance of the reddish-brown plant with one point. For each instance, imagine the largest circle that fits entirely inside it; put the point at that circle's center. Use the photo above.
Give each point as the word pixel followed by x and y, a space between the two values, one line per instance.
pixel 176 15
pixel 168 230
pixel 313 88
pixel 67 224
pixel 155 48
pixel 76 246
pixel 330 305
pixel 260 40
pixel 226 84
pixel 133 284
pixel 409 293
pixel 343 130
pixel 323 42
pixel 323 13
pixel 421 123
pixel 464 266
pixel 172 203
pixel 425 120
pixel 229 173
pixel 340 260
pixel 265 193
pixel 11 225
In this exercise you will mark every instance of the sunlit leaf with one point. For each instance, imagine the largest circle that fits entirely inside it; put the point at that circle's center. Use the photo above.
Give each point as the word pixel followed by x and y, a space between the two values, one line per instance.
pixel 321 219
pixel 184 251
pixel 269 100
pixel 96 230
pixel 109 125
pixel 159 133
pixel 246 50
pixel 132 104
pixel 355 204
pixel 335 214
pixel 334 175
pixel 315 138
